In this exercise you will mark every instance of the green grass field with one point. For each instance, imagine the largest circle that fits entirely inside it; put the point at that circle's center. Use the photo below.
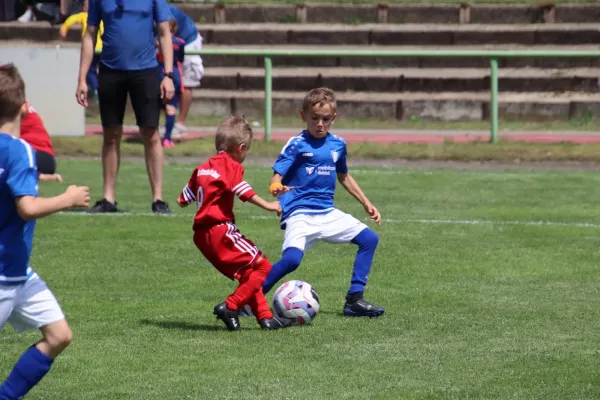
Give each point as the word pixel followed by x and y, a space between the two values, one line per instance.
pixel 483 300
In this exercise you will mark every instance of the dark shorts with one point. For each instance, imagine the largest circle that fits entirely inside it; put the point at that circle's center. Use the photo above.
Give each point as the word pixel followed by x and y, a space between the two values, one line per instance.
pixel 46 163
pixel 143 87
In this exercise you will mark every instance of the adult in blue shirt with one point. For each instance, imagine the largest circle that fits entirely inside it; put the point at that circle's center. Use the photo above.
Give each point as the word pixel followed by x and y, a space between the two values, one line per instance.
pixel 193 68
pixel 25 300
pixel 128 65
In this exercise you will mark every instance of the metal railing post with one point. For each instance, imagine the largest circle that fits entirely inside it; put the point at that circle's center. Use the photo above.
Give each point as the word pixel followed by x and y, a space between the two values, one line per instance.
pixel 493 100
pixel 268 97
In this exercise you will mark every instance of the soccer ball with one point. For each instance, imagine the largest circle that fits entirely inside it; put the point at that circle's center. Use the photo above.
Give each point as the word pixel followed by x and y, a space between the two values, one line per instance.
pixel 296 300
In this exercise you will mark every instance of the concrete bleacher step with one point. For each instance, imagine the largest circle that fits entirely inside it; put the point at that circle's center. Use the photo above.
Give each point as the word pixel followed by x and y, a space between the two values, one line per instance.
pixel 399 34
pixel 404 106
pixel 392 13
pixel 405 79
pixel 364 34
pixel 403 62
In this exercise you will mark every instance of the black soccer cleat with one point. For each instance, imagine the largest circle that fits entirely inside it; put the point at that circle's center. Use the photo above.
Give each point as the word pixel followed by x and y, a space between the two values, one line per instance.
pixel 230 318
pixel 275 323
pixel 362 308
pixel 160 207
pixel 103 206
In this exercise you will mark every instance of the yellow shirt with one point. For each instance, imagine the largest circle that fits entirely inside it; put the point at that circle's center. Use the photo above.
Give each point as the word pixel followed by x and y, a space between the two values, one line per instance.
pixel 81 19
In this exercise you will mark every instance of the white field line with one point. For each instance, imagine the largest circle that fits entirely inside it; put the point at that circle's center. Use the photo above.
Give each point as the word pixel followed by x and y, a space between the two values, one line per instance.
pixel 385 220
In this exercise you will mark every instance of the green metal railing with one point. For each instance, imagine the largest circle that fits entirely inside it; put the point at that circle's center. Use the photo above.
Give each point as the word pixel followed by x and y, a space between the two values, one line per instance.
pixel 492 55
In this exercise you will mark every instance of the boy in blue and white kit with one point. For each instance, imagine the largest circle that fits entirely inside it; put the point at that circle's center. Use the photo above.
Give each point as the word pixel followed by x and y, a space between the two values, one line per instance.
pixel 25 300
pixel 304 179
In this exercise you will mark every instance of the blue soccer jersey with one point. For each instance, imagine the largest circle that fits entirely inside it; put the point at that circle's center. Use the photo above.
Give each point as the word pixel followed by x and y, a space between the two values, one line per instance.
pixel 310 165
pixel 18 177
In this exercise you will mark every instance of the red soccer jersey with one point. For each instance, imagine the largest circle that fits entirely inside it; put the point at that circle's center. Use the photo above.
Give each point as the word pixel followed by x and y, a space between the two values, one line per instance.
pixel 212 187
pixel 34 132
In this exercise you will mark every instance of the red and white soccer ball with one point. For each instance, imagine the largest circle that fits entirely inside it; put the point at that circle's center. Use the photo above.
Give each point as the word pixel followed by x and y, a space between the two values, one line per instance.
pixel 296 300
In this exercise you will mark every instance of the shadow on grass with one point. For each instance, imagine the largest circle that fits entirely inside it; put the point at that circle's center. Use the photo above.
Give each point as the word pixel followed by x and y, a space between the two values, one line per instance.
pixel 182 325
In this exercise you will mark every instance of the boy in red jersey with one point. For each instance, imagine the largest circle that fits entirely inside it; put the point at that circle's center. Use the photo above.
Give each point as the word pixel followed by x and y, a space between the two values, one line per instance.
pixel 34 132
pixel 212 187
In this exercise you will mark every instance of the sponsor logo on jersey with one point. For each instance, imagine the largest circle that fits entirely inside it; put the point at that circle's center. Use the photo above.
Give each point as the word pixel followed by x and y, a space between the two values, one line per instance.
pixel 325 170
pixel 307 154
pixel 309 170
pixel 334 155
pixel 209 172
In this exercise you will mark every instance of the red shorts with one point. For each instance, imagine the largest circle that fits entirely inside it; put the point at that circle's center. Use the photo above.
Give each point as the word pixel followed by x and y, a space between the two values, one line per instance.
pixel 226 248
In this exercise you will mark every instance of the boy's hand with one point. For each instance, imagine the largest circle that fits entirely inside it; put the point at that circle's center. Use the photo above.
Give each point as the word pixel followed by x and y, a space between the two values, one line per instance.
pixel 277 189
pixel 182 204
pixel 274 206
pixel 63 33
pixel 373 213
pixel 79 195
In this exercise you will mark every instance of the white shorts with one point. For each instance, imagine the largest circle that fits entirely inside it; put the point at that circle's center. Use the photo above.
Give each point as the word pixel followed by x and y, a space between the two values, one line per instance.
pixel 27 306
pixel 303 231
pixel 193 69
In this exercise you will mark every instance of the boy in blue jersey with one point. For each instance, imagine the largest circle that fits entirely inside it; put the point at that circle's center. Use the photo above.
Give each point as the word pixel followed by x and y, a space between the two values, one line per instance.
pixel 178 57
pixel 25 300
pixel 193 67
pixel 309 165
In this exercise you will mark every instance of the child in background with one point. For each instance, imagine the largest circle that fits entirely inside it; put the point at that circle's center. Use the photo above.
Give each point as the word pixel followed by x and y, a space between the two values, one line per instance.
pixel 173 104
pixel 34 132
pixel 213 187
pixel 81 19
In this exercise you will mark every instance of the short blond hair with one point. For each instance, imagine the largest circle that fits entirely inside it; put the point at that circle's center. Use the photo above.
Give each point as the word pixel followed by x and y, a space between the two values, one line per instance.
pixel 232 132
pixel 320 96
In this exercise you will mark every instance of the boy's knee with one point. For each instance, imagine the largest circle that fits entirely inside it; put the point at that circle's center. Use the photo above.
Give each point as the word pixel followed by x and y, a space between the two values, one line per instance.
pixel 263 265
pixel 367 239
pixel 59 337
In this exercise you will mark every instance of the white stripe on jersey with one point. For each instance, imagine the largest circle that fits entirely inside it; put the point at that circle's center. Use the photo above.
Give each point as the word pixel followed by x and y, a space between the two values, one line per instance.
pixel 29 153
pixel 13 279
pixel 185 194
pixel 240 243
pixel 244 191
pixel 188 194
pixel 241 188
pixel 289 142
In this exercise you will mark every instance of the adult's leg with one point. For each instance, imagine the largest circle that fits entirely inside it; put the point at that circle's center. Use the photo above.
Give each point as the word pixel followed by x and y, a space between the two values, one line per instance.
pixel 112 93
pixel 144 89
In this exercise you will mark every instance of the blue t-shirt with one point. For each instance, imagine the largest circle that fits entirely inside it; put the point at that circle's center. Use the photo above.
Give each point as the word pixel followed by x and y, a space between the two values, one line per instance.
pixel 128 39
pixel 186 27
pixel 311 166
pixel 18 177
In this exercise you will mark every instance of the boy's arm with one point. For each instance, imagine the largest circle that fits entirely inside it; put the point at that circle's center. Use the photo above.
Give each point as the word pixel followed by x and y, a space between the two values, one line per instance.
pixel 32 207
pixel 188 193
pixel 265 205
pixel 276 188
pixel 352 187
pixel 284 162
